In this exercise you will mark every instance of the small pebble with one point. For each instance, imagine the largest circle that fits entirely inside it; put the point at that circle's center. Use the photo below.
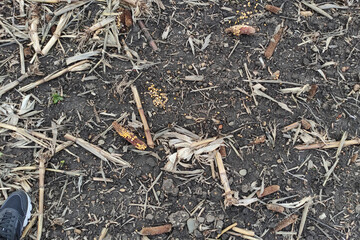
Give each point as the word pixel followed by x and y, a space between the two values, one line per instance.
pixel 322 216
pixel 357 209
pixel 201 219
pixel 243 172
pixel 219 224
pixel 210 218
pixel 101 142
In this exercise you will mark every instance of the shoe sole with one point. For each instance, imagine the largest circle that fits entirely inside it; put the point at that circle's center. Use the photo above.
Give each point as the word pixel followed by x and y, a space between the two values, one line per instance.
pixel 28 211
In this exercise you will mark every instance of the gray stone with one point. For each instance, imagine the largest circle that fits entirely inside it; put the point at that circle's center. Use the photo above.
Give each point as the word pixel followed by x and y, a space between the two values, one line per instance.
pixel 169 187
pixel 178 218
pixel 210 218
pixel 192 224
pixel 149 216
pixel 219 224
pixel 198 234
pixel 101 142
pixel 201 219
pixel 245 188
pixel 357 209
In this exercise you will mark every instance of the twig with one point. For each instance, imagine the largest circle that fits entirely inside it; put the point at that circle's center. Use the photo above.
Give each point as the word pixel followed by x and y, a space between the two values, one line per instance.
pixel 226 229
pixel 148 35
pixel 149 140
pixel 103 233
pixel 244 231
pixel 56 35
pixel 274 41
pixel 29 226
pixel 100 153
pixel 80 66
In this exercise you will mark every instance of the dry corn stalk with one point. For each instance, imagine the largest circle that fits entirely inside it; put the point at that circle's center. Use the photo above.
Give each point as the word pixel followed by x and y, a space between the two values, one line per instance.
pixel 241 29
pixel 188 146
pixel 100 153
pixel 229 198
pixel 328 145
pixel 129 136
pixel 149 140
pixel 33 30
pixel 56 35
pixel 275 208
pixel 75 67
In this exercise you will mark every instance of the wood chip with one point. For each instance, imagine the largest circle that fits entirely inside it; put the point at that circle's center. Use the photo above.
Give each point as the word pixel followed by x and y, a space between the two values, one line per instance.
pixel 150 231
pixel 286 222
pixel 268 190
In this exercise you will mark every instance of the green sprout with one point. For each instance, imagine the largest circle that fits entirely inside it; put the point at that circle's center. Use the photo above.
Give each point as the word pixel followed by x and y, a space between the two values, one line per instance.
pixel 62 162
pixel 56 98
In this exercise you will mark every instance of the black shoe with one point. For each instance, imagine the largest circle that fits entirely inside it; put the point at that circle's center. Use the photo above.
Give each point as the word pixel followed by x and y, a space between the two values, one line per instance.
pixel 14 215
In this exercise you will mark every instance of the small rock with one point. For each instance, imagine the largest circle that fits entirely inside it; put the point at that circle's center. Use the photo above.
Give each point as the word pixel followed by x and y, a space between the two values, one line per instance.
pixel 245 188
pixel 243 172
pixel 169 187
pixel 216 194
pixel 110 150
pixel 192 224
pixel 221 216
pixel 219 224
pixel 178 218
pixel 149 216
pixel 101 142
pixel 210 218
pixel 198 234
pixel 201 219
pixel 357 209
pixel 322 216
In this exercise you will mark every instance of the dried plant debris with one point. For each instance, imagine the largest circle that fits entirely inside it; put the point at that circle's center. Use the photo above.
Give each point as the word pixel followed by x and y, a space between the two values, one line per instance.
pixel 238 30
pixel 188 148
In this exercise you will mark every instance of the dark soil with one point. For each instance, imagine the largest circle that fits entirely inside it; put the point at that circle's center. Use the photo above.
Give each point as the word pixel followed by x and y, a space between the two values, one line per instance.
pixel 87 206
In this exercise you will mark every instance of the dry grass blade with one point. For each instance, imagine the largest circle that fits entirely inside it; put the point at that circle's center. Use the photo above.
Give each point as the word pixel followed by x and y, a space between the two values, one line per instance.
pixel 317 9
pixel 63 20
pixel 100 153
pixel 149 140
pixel 83 56
pixel 57 74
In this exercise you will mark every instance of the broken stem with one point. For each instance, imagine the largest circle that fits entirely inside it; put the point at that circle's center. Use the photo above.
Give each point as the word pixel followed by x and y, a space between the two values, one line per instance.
pixel 149 140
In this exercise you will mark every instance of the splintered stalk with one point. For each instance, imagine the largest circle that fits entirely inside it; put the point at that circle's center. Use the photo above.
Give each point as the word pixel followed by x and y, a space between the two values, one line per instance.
pixel 229 198
pixel 148 35
pixel 129 136
pixel 75 67
pixel 149 140
pixel 62 22
pixel 33 29
pixel 100 153
pixel 100 24
pixel 42 160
